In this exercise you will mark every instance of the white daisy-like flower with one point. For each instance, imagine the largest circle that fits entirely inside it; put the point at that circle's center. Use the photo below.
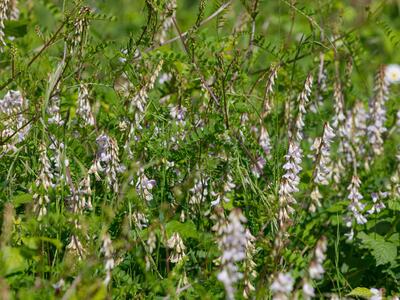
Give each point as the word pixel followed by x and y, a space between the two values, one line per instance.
pixel 392 74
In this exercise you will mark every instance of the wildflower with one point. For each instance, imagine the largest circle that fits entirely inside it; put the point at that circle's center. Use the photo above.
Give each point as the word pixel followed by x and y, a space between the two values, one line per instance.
pixel 167 15
pixel 376 294
pixel 178 248
pixel 53 108
pixel 199 191
pixel 303 100
pixel 355 206
pixel 85 193
pixel 264 141
pixel 83 110
pixel 354 132
pixel 140 220
pixel 392 74
pixel 315 269
pixel 378 205
pixel 249 265
pixel 322 171
pixel 4 5
pixel 229 185
pixel 107 160
pixel 144 185
pixel 75 247
pixel 178 113
pixel 258 166
pixel 165 77
pixel 151 245
pixel 108 250
pixel 139 101
pixel 59 285
pixel 289 182
pixel 16 126
pixel 269 89
pixel 80 25
pixel 232 244
pixel 282 286
pixel 43 183
pixel 378 112
pixel 14 11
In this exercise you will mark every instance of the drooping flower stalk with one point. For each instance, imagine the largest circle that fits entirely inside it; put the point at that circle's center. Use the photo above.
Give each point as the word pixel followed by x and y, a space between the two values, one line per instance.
pixel 249 266
pixel 53 108
pixel 356 207
pixel 4 6
pixel 43 184
pixel 282 286
pixel 175 243
pixel 84 110
pixel 315 269
pixel 167 20
pixel 107 161
pixel 16 126
pixel 108 251
pixel 80 26
pixel 228 186
pixel 232 243
pixel 338 124
pixel 289 183
pixel 322 159
pixel 14 11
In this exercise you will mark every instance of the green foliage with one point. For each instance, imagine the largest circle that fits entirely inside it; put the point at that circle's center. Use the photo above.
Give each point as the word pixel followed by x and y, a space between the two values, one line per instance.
pixel 141 121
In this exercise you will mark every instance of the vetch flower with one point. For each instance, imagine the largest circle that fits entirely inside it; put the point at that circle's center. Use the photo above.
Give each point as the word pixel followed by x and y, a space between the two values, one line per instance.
pixel 232 242
pixel 282 286
pixel 178 248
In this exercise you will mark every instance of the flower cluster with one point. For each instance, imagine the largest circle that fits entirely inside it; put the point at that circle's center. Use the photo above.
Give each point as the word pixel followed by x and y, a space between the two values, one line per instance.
pixel 378 112
pixel 15 124
pixel 229 185
pixel 43 184
pixel 167 17
pixel 80 25
pixel 232 243
pixel 289 183
pixel 84 110
pixel 282 286
pixel 4 5
pixel 249 266
pixel 53 108
pixel 322 171
pixel 199 191
pixel 315 269
pixel 377 203
pixel 108 251
pixel 107 160
pixel 144 185
pixel 356 207
pixel 178 248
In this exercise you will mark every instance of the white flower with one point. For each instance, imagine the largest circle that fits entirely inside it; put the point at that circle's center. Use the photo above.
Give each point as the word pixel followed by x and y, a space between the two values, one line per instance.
pixel 283 283
pixel 376 294
pixel 308 290
pixel 233 240
pixel 178 248
pixel 392 73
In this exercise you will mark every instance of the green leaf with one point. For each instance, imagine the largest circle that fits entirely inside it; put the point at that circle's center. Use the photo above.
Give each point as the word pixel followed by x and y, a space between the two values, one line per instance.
pixel 383 251
pixel 394 204
pixel 361 292
pixel 12 261
pixel 21 199
pixel 185 230
pixel 15 28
